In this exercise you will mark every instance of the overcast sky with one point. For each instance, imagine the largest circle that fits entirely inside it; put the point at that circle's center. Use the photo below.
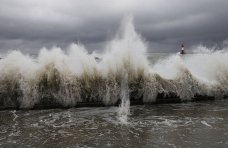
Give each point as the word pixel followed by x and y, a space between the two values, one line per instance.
pixel 32 24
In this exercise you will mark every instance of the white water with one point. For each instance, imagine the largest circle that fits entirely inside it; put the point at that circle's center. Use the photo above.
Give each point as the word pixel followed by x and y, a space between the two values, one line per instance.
pixel 124 108
pixel 73 75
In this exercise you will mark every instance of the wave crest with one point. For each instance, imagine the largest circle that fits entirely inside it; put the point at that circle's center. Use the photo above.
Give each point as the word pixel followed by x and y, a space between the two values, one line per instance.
pixel 74 76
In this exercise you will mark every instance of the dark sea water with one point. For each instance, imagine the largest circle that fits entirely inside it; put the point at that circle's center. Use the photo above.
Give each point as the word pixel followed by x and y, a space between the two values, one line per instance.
pixel 198 124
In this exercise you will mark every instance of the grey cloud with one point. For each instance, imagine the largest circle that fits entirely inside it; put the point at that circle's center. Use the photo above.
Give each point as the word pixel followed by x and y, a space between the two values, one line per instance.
pixel 29 25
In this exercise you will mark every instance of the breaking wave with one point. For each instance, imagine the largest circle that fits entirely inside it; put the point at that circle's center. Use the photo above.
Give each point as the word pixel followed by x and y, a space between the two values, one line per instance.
pixel 73 76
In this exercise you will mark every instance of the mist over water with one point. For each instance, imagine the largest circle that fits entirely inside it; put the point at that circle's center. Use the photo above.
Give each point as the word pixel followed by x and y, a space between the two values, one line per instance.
pixel 74 75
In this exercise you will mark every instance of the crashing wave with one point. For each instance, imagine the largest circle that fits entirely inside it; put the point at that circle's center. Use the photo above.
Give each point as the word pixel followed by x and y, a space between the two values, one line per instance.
pixel 75 76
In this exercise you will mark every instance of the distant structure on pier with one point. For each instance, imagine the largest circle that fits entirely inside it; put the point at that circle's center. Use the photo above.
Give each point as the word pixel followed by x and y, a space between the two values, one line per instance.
pixel 182 49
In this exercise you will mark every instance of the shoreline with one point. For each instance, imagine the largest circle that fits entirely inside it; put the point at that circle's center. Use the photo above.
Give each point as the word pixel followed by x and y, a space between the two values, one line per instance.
pixel 46 103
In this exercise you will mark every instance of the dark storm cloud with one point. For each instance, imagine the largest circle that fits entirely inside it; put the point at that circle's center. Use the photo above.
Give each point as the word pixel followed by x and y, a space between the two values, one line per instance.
pixel 30 25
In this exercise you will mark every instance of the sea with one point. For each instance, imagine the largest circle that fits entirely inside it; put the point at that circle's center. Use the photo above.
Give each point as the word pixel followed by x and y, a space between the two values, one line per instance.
pixel 125 69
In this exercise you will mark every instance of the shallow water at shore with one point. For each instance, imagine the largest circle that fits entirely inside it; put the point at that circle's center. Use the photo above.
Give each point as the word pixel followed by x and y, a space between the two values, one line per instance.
pixel 198 124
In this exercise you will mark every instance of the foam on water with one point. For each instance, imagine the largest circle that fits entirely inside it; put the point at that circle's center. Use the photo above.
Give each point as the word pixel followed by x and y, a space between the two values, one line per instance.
pixel 73 75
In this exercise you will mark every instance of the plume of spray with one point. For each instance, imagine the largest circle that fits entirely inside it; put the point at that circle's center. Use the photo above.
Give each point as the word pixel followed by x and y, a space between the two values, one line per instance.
pixel 122 55
pixel 125 50
pixel 124 108
pixel 122 58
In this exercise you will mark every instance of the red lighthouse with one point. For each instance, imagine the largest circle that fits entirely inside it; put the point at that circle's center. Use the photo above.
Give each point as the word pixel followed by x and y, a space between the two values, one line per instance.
pixel 182 49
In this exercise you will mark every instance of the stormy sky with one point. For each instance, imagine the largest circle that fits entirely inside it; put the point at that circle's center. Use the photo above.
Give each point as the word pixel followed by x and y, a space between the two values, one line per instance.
pixel 29 25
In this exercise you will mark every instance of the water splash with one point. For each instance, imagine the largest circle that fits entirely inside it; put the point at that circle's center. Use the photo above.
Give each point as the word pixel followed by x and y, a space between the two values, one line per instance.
pixel 68 77
pixel 124 108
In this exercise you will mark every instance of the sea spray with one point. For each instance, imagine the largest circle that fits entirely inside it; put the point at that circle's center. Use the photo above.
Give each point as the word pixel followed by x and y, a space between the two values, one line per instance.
pixel 124 108
pixel 70 76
